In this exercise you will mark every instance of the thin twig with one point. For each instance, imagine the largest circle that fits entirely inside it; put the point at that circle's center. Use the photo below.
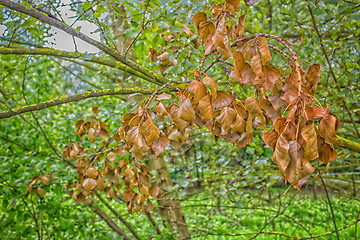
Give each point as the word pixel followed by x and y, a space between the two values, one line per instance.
pixel 331 209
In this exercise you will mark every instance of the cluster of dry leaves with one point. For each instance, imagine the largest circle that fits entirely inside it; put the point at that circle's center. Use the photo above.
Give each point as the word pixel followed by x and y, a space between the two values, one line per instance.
pixel 287 102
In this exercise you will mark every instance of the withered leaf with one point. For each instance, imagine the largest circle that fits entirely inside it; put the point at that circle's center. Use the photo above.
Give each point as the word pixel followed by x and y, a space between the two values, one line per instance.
pixel 226 118
pixel 134 136
pixel 233 2
pixel 252 106
pixel 296 170
pixel 144 190
pixel 290 95
pixel 186 111
pixel 239 63
pixel 110 194
pixel 321 112
pixel 41 191
pixel 199 89
pixel 128 195
pixel 223 99
pixel 153 55
pixel 174 113
pixel 250 52
pixel 160 145
pixel 111 156
pixel 100 184
pixel 328 128
pixel 79 123
pixel 245 139
pixel 232 138
pixel 241 25
pixel 91 173
pixel 217 9
pixel 270 75
pixel 256 65
pixel 160 109
pixel 206 29
pixel 154 191
pixel 95 110
pixel 128 174
pixel 281 156
pixel 213 85
pixel 198 18
pixel 221 40
pixel 130 118
pixel 269 109
pixel 149 206
pixel 248 75
pixel 150 131
pixel 264 50
pixel 327 153
pixel 270 138
pixel 89 184
pixel 163 96
pixel 175 135
pixel 312 78
pixel 45 179
pixel 309 135
pixel 205 108
pixel 238 125
pixel 240 109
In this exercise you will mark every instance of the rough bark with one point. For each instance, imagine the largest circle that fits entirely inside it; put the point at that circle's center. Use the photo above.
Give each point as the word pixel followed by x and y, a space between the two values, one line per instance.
pixel 169 208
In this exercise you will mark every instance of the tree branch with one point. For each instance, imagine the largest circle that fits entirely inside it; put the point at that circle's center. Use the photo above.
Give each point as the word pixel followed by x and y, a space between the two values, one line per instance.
pixel 62 54
pixel 55 23
pixel 118 216
pixel 74 98
pixel 108 220
pixel 348 144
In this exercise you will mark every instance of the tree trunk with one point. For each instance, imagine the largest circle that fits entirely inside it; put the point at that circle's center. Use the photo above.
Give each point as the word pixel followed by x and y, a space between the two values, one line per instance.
pixel 169 208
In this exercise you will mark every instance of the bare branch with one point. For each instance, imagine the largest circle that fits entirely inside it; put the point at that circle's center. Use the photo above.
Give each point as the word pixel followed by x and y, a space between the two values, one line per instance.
pixel 110 222
pixel 74 98
pixel 62 54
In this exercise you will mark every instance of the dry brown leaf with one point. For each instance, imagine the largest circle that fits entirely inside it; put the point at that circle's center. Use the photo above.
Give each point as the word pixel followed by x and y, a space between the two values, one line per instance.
pixel 186 111
pixel 223 99
pixel 264 50
pixel 312 78
pixel 205 108
pixel 89 184
pixel 160 145
pixel 281 156
pixel 221 40
pixel 328 128
pixel 198 89
pixel 150 131
pixel 296 170
pixel 270 75
pixel 213 85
